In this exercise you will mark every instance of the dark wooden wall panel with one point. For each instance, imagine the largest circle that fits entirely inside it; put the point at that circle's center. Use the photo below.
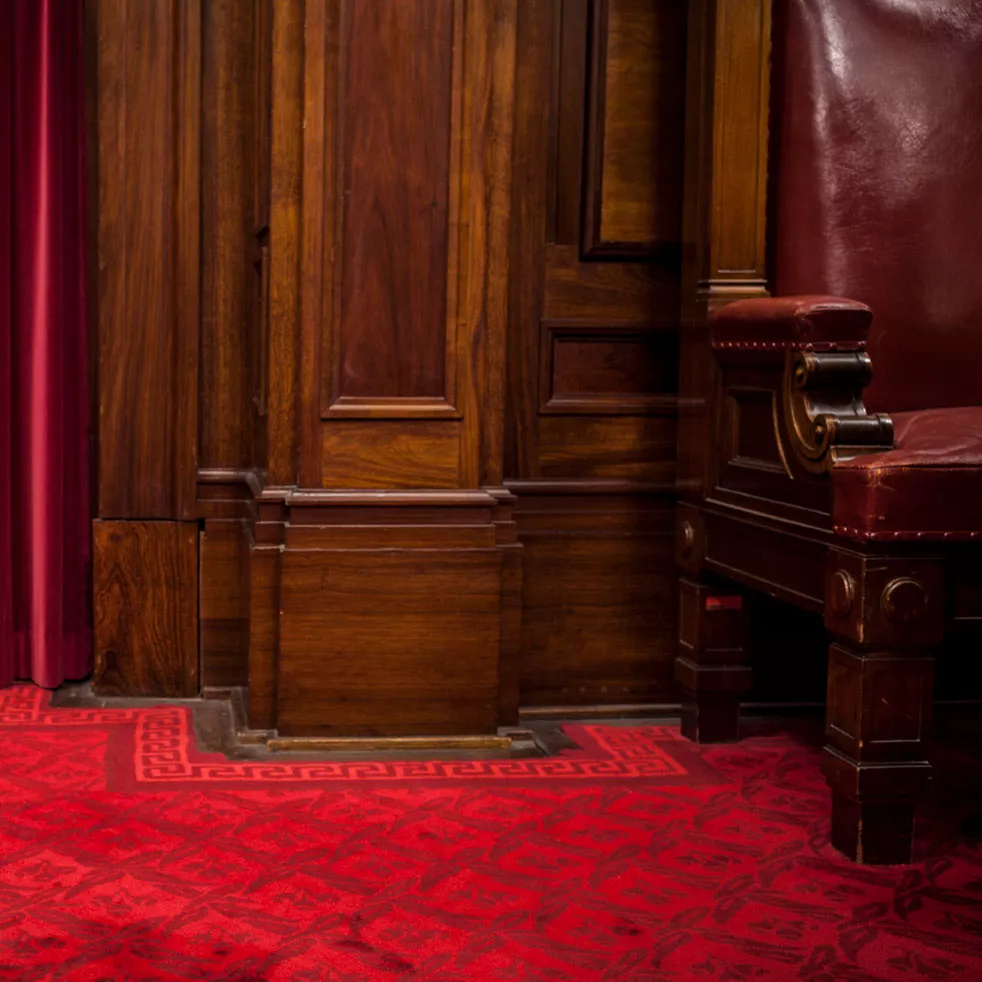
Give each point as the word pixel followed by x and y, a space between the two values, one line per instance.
pixel 145 70
pixel 392 454
pixel 395 159
pixel 223 605
pixel 357 337
pixel 603 368
pixel 593 345
pixel 634 128
pixel 282 352
pixel 145 586
pixel 228 277
pixel 595 627
pixel 147 79
pixel 234 304
pixel 635 448
pixel 724 214
pixel 406 173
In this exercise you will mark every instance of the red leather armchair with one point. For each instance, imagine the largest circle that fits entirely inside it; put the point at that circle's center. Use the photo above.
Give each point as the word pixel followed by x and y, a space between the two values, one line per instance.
pixel 846 462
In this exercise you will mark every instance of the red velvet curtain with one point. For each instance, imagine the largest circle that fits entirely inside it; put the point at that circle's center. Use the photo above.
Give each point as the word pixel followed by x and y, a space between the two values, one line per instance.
pixel 45 523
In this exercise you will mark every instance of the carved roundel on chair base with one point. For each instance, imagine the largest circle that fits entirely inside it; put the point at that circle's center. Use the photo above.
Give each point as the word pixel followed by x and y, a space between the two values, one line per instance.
pixel 842 592
pixel 904 600
pixel 687 538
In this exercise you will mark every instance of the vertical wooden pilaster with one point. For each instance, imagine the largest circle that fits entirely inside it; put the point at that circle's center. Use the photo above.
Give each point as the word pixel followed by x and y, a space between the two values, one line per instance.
pixel 724 218
pixel 147 102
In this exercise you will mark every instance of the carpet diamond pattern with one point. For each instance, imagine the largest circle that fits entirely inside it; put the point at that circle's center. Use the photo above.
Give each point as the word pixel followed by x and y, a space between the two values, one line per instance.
pixel 125 854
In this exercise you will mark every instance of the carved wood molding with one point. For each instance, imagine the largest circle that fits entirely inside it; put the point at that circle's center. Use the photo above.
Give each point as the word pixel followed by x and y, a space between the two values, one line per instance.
pixel 632 369
pixel 825 418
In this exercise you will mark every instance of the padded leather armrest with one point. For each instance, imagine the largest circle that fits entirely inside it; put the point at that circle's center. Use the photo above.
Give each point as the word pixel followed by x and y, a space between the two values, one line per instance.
pixel 812 323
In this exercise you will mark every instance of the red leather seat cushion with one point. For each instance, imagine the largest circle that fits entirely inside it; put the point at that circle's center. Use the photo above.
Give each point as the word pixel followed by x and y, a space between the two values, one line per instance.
pixel 928 487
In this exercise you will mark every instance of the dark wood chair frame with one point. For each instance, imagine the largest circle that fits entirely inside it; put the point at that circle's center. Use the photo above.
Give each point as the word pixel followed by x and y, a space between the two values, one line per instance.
pixel 761 427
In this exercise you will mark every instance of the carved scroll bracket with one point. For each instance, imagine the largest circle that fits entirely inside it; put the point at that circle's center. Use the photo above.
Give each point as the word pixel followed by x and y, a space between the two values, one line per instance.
pixel 824 414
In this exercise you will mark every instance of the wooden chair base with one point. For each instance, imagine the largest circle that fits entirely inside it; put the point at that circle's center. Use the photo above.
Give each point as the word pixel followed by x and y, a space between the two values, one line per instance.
pixel 873 833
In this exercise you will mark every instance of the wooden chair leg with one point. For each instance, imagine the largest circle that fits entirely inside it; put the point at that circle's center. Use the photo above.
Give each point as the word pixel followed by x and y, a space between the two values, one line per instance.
pixel 886 613
pixel 710 668
pixel 878 721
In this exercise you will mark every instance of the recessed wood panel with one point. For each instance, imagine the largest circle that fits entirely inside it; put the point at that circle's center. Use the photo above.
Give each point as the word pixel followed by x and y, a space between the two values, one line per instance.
pixel 145 586
pixel 634 134
pixel 405 190
pixel 228 288
pixel 740 142
pixel 389 643
pixel 397 63
pixel 602 366
pixel 754 424
pixel 391 454
pixel 607 369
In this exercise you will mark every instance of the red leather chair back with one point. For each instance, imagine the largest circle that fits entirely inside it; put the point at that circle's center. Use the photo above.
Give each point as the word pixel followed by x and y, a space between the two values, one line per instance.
pixel 876 191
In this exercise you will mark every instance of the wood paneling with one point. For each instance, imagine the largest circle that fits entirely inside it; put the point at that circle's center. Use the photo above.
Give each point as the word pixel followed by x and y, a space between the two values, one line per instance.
pixel 534 86
pixel 727 85
pixel 264 622
pixel 596 368
pixel 392 454
pixel 634 128
pixel 282 436
pixel 627 447
pixel 568 35
pixel 740 151
pixel 428 666
pixel 223 605
pixel 405 197
pixel 510 641
pixel 599 583
pixel 592 352
pixel 356 169
pixel 380 310
pixel 147 80
pixel 396 88
pixel 228 122
pixel 145 586
pixel 638 291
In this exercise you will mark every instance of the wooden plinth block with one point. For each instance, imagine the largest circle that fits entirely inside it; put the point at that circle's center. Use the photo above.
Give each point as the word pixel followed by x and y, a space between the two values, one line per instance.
pixel 382 616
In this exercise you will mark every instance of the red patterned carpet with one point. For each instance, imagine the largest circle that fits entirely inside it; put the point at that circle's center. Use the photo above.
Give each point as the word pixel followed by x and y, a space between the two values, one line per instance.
pixel 125 855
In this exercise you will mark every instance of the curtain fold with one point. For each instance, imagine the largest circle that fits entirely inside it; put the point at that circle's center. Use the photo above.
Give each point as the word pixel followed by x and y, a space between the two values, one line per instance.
pixel 45 519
